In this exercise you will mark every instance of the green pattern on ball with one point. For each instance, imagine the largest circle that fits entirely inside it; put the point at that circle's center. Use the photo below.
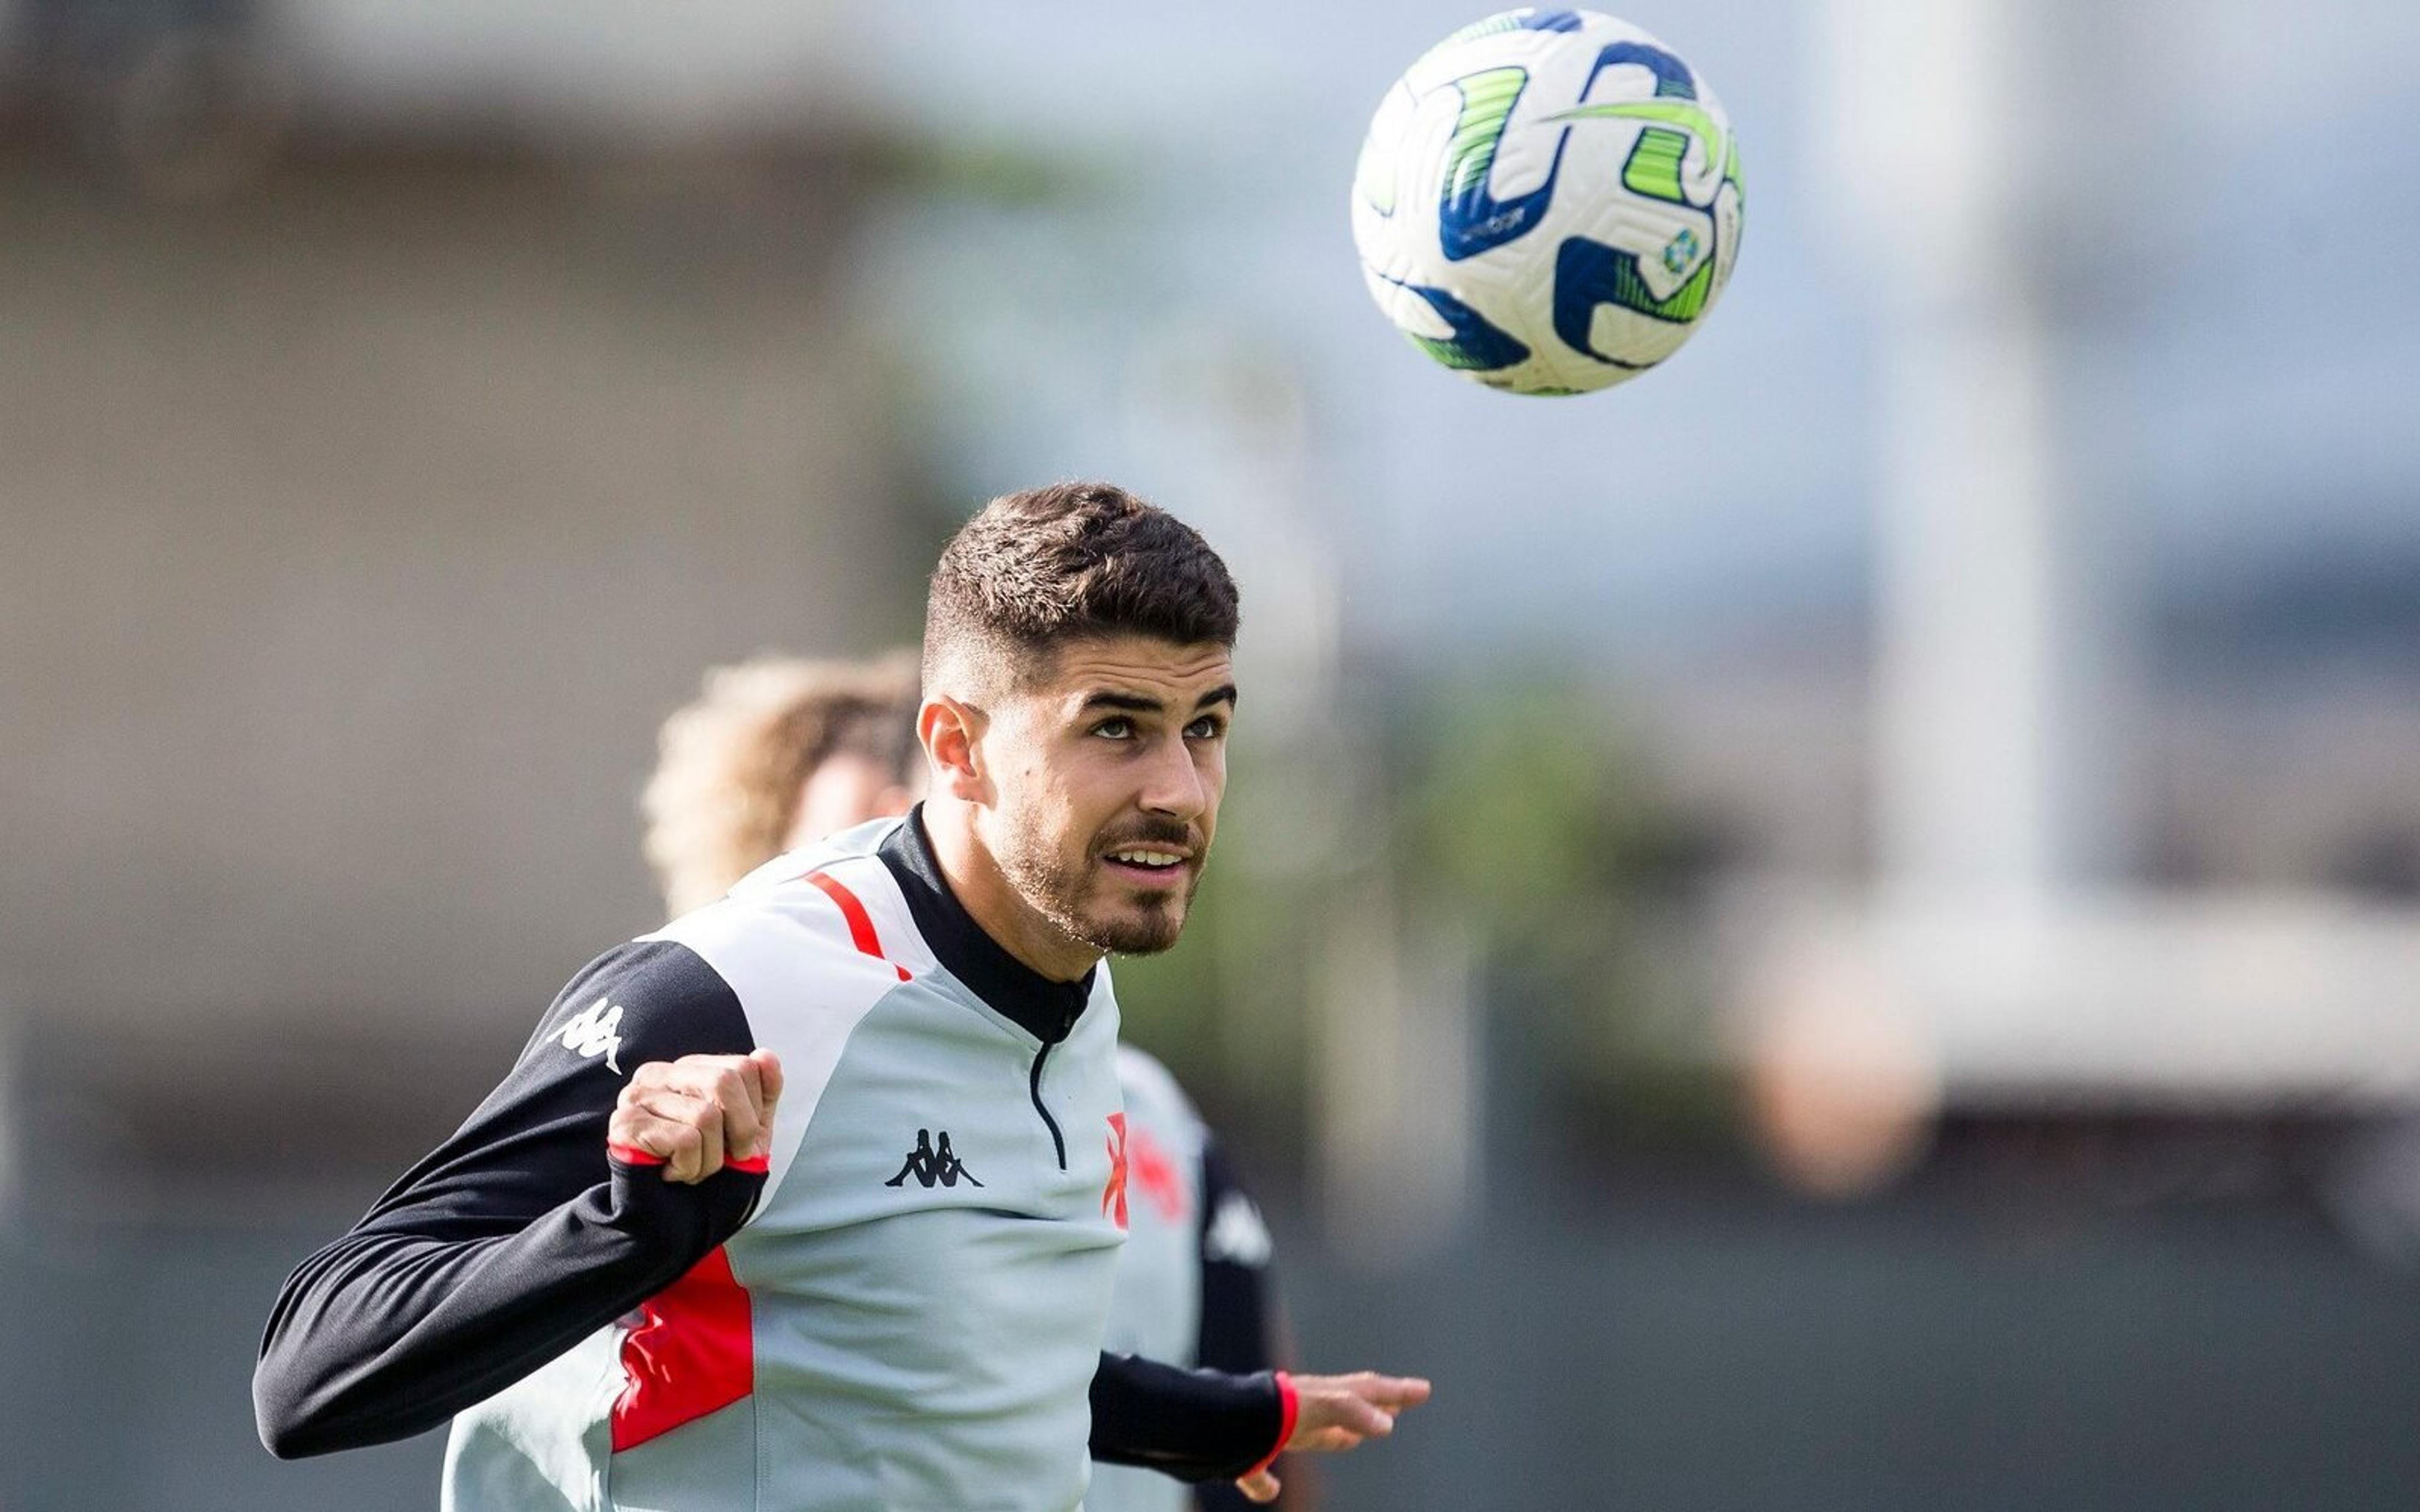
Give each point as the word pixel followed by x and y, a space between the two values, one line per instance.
pixel 1487 99
pixel 1687 303
pixel 1654 166
pixel 1448 351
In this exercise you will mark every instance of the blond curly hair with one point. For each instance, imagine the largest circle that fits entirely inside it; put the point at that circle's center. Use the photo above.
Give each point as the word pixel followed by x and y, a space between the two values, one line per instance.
pixel 730 766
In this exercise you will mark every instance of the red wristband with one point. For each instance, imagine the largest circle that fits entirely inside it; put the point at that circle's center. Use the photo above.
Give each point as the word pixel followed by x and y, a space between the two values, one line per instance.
pixel 1289 1407
pixel 633 1155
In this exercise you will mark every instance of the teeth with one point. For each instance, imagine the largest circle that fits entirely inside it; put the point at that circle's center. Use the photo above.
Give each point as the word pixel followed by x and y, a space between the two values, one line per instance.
pixel 1146 857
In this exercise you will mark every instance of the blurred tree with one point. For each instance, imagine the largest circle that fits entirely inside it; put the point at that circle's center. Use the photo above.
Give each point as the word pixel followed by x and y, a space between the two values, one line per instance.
pixel 1514 810
pixel 1526 811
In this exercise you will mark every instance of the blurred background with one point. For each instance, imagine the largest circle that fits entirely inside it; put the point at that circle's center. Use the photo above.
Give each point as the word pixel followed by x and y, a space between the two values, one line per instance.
pixel 1836 927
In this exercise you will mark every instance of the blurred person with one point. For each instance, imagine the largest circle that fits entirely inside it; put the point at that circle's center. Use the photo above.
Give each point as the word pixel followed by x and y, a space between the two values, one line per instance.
pixel 635 1279
pixel 776 754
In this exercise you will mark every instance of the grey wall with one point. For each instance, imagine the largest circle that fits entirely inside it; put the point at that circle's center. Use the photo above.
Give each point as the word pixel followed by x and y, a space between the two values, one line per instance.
pixel 355 536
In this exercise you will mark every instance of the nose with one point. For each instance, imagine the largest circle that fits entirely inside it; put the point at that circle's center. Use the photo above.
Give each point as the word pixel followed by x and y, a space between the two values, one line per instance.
pixel 1172 784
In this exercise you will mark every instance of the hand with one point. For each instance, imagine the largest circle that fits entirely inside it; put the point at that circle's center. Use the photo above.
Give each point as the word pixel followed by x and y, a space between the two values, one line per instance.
pixel 699 1113
pixel 1334 1412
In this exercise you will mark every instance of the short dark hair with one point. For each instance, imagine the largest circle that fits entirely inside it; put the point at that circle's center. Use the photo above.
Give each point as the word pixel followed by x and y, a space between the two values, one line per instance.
pixel 1036 569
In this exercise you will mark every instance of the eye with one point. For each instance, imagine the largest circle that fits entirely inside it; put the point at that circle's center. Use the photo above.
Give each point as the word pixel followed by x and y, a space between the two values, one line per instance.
pixel 1209 727
pixel 1117 726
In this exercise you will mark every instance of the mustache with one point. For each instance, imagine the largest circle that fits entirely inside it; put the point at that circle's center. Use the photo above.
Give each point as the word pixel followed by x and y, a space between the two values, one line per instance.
pixel 1170 832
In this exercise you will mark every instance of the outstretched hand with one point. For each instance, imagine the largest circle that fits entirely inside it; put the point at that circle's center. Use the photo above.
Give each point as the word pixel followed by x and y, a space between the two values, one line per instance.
pixel 1337 1412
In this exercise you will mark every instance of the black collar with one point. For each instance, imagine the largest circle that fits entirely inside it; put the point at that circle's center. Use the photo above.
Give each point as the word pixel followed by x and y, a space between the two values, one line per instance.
pixel 1045 1009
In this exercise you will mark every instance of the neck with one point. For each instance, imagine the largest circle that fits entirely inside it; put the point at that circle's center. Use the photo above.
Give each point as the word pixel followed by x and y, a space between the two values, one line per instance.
pixel 983 889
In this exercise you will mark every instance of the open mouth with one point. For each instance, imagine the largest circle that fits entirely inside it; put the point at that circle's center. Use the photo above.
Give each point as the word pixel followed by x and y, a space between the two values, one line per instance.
pixel 1146 865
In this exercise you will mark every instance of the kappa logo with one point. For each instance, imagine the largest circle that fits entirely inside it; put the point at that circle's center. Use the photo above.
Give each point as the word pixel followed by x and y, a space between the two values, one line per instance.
pixel 598 1031
pixel 1237 1234
pixel 934 1162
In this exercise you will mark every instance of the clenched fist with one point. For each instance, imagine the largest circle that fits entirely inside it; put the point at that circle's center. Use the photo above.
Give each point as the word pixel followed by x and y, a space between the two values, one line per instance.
pixel 698 1114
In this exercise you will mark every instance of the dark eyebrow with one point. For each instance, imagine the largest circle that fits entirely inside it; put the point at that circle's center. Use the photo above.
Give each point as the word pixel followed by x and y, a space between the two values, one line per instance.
pixel 1139 703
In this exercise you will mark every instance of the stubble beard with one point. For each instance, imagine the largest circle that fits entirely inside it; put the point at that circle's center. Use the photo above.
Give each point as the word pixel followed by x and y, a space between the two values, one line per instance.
pixel 1056 888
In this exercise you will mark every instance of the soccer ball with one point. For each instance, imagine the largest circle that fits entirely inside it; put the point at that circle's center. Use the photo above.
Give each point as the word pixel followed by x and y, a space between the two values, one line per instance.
pixel 1548 201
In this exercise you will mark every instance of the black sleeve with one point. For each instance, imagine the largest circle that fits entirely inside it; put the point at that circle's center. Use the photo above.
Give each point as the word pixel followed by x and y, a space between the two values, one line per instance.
pixel 1238 1323
pixel 1238 1312
pixel 1194 1424
pixel 519 1235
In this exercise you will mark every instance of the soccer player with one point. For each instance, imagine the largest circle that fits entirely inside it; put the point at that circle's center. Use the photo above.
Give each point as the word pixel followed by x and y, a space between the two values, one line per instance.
pixel 779 752
pixel 807 1201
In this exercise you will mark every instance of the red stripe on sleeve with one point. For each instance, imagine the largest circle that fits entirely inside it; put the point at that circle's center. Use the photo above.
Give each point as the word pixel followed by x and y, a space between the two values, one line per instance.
pixel 860 924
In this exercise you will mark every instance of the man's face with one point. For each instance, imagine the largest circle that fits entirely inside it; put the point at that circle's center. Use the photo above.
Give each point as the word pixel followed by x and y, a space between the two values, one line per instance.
pixel 1107 764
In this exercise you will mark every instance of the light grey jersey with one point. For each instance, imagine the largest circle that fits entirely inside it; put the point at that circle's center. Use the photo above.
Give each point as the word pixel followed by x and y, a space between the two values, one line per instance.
pixel 910 1317
pixel 1156 1309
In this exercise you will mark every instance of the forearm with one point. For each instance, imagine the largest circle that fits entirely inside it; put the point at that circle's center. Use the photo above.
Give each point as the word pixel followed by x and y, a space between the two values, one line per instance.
pixel 1194 1424
pixel 401 1323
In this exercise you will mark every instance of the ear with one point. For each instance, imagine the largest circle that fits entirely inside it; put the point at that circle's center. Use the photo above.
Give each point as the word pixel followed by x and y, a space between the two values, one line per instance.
pixel 952 734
